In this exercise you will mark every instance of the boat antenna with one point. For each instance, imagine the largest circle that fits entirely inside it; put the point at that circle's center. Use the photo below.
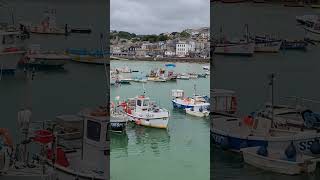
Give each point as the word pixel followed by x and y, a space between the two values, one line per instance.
pixel 271 84
pixel 105 64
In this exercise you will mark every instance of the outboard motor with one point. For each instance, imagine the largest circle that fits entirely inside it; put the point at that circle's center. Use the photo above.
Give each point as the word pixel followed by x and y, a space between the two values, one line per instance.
pixel 315 147
pixel 291 152
pixel 262 151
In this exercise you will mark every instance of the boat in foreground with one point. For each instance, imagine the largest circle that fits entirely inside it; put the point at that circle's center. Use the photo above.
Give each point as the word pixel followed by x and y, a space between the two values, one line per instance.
pixel 279 162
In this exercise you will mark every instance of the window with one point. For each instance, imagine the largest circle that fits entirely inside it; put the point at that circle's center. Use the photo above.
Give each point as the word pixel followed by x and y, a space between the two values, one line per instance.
pixel 139 103
pixel 93 130
pixel 145 103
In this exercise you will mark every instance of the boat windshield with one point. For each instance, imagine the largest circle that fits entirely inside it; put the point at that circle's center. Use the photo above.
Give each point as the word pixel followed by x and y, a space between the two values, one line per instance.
pixel 93 130
pixel 145 102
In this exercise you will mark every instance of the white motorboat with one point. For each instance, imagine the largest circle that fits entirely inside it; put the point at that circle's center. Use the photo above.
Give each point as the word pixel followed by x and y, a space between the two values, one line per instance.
pixel 267 45
pixel 144 112
pixel 277 161
pixel 240 48
pixel 198 111
pixel 313 32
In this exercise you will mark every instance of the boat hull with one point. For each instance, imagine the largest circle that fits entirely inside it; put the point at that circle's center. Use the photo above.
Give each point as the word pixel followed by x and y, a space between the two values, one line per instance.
pixel 197 113
pixel 161 123
pixel 277 165
pixel 312 34
pixel 272 47
pixel 9 60
pixel 243 49
pixel 180 105
pixel 236 142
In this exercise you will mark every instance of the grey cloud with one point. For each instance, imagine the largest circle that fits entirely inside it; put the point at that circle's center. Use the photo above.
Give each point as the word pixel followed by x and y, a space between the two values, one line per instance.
pixel 157 16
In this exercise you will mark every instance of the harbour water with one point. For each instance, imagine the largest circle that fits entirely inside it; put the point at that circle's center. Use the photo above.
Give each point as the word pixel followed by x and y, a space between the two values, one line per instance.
pixel 55 92
pixel 182 151
pixel 296 73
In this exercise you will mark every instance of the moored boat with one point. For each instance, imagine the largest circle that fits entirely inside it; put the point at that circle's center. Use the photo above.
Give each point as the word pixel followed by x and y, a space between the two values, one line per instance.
pixel 313 32
pixel 198 111
pixel 279 162
pixel 144 112
pixel 179 101
pixel 294 45
pixel 10 51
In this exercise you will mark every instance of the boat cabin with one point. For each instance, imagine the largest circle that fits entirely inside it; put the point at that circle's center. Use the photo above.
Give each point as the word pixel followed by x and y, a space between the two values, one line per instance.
pixel 223 101
pixel 96 140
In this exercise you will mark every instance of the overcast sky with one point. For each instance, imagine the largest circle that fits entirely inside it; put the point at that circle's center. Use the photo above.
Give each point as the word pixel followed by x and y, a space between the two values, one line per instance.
pixel 157 16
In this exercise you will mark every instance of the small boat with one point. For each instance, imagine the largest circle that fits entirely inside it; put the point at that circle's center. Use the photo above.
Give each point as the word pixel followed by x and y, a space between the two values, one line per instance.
pixel 118 119
pixel 10 51
pixel 179 101
pixel 265 44
pixel 123 81
pixel 241 48
pixel 280 162
pixel 183 76
pixel 85 56
pixel 193 75
pixel 206 68
pixel 170 65
pixel 198 111
pixel 202 75
pixel 308 20
pixel 144 112
pixel 294 45
pixel 313 32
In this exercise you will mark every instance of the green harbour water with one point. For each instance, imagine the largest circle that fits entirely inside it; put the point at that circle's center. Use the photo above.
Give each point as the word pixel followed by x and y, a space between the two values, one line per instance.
pixel 182 151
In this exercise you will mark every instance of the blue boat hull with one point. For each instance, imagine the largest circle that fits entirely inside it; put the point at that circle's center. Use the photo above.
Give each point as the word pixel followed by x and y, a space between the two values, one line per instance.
pixel 180 106
pixel 233 143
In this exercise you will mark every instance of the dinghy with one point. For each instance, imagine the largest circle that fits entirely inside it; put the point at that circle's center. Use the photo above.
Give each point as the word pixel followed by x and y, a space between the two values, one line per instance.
pixel 277 161
pixel 198 111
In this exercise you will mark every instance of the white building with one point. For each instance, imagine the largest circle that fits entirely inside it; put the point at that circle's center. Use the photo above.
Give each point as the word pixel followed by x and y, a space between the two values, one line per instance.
pixel 192 46
pixel 182 49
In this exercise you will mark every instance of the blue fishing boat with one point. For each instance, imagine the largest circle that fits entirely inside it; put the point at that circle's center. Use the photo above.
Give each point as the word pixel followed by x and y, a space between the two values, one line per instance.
pixel 170 65
pixel 179 101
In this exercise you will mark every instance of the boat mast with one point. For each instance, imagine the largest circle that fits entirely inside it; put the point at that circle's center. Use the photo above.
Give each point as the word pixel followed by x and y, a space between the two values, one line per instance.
pixel 107 73
pixel 271 83
pixel 195 89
